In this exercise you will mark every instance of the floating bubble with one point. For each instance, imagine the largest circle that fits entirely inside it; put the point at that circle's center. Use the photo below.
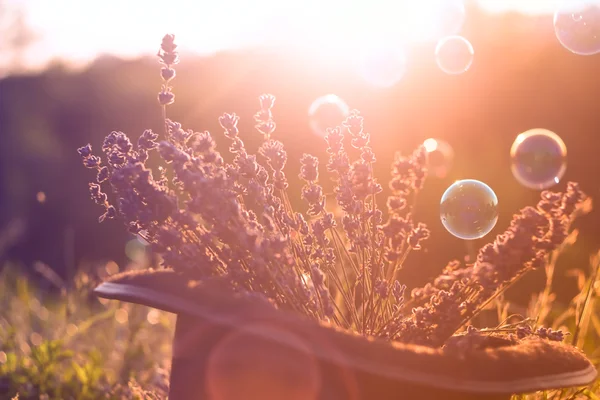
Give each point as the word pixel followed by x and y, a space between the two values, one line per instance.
pixel 325 112
pixel 454 54
pixel 41 197
pixel 469 209
pixel 383 65
pixel 577 26
pixel 538 158
pixel 440 156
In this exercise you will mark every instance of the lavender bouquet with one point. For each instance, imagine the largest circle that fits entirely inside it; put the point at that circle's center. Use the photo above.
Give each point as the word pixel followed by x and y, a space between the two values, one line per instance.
pixel 309 304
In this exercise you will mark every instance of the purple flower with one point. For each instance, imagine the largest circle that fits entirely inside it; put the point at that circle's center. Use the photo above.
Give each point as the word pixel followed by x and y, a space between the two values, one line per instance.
pixel 234 221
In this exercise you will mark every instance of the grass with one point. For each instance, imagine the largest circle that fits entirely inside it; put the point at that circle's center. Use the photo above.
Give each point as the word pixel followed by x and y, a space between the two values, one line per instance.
pixel 64 343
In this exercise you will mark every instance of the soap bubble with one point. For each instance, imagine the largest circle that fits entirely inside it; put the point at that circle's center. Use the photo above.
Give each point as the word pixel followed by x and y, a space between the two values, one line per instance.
pixel 469 209
pixel 325 112
pixel 538 158
pixel 383 65
pixel 440 156
pixel 577 26
pixel 454 54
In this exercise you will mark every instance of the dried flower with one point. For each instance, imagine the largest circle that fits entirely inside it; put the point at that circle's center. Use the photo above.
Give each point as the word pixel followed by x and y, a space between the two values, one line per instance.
pixel 235 222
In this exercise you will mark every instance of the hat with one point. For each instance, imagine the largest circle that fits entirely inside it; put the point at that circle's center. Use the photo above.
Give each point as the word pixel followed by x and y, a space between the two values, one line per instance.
pixel 228 345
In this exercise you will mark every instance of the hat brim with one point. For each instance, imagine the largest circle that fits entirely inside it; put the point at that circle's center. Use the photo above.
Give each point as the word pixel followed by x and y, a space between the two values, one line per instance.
pixel 532 364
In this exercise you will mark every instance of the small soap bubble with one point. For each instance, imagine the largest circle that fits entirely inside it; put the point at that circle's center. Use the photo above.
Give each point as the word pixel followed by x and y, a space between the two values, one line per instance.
pixel 325 112
pixel 454 54
pixel 440 156
pixel 538 158
pixel 577 26
pixel 383 65
pixel 469 209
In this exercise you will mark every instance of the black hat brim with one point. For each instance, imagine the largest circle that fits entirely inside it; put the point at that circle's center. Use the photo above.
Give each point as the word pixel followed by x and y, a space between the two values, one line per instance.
pixel 532 364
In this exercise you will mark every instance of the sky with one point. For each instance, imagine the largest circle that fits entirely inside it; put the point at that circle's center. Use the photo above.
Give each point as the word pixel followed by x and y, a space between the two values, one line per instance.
pixel 79 30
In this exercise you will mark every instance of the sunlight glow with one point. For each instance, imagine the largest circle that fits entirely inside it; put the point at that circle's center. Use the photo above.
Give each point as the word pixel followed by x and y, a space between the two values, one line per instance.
pixel 521 6
pixel 81 30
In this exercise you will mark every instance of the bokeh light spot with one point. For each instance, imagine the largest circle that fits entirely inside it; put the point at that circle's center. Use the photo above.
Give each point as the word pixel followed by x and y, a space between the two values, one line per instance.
pixel 538 158
pixel 25 348
pixel 72 329
pixel 577 26
pixel 135 250
pixel 454 54
pixel 111 268
pixel 35 339
pixel 153 317
pixel 121 316
pixel 325 112
pixel 469 209
pixel 41 197
pixel 43 314
pixel 440 157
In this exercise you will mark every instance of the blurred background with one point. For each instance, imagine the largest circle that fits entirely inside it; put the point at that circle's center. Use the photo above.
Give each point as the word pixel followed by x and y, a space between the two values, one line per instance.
pixel 73 71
